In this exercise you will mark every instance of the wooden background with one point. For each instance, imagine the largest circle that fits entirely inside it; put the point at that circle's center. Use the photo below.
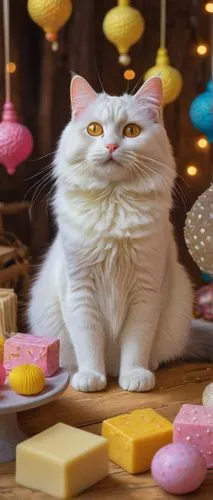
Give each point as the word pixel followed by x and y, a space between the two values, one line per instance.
pixel 40 91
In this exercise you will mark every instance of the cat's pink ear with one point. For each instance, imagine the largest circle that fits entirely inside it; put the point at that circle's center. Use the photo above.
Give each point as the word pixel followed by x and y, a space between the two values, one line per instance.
pixel 150 96
pixel 81 95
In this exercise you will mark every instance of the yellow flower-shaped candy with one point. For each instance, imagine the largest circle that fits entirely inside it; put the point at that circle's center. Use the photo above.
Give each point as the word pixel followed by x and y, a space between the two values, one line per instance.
pixel 27 379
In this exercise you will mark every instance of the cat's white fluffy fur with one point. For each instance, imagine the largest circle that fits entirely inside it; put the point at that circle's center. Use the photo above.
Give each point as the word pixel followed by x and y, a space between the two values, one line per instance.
pixel 111 286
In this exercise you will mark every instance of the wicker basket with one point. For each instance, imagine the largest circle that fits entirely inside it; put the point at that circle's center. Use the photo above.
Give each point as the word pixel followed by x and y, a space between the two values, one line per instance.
pixel 14 263
pixel 8 312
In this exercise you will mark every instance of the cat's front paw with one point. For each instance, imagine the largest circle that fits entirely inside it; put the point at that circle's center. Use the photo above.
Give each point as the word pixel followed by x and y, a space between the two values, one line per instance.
pixel 137 380
pixel 88 381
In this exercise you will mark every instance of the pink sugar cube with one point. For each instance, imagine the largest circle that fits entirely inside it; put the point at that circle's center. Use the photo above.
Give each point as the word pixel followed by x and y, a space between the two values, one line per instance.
pixel 29 349
pixel 194 425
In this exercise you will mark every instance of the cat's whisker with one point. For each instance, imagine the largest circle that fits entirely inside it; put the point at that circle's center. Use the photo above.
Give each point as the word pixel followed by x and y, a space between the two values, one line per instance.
pixel 39 182
pixel 36 197
pixel 136 85
pixel 48 196
pixel 177 190
pixel 44 156
pixel 76 168
pixel 78 159
pixel 150 180
pixel 154 160
pixel 39 190
pixel 99 77
pixel 39 173
pixel 33 202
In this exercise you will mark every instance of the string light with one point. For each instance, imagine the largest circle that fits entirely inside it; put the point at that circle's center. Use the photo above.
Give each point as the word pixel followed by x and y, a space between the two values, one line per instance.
pixel 202 143
pixel 11 67
pixel 129 74
pixel 202 49
pixel 209 7
pixel 192 170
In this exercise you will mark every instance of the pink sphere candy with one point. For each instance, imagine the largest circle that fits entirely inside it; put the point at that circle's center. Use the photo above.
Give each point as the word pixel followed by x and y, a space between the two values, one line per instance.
pixel 178 468
pixel 2 375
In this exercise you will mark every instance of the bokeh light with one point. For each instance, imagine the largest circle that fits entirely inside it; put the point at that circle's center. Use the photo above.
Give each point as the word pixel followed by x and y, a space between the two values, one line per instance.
pixel 209 7
pixel 202 143
pixel 192 170
pixel 202 49
pixel 11 67
pixel 129 74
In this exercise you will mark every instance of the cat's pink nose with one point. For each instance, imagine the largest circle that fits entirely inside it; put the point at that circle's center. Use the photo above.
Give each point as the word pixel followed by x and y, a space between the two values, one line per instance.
pixel 112 147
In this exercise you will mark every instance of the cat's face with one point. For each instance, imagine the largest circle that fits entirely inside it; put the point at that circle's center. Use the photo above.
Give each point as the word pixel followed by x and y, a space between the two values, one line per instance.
pixel 113 138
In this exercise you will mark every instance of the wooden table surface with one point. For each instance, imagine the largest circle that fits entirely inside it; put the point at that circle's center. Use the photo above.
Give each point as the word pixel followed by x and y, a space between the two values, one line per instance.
pixel 175 385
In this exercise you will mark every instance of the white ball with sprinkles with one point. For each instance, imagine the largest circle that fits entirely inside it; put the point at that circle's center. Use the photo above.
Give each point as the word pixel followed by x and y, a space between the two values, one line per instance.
pixel 207 397
pixel 199 231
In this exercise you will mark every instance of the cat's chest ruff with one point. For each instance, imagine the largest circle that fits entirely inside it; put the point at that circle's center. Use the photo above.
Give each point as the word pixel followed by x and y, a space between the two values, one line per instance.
pixel 115 214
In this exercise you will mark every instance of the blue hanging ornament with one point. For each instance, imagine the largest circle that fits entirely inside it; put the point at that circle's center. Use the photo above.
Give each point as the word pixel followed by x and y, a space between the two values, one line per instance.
pixel 207 278
pixel 201 112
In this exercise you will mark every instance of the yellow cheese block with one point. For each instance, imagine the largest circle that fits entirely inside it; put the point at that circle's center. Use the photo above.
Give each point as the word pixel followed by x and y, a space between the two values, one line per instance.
pixel 61 461
pixel 135 437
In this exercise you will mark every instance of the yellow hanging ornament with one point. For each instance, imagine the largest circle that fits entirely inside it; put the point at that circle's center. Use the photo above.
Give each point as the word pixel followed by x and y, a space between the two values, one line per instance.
pixel 123 26
pixel 50 15
pixel 171 77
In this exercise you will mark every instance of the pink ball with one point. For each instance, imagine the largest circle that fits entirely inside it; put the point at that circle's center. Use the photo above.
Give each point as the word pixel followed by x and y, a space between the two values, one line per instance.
pixel 2 375
pixel 178 468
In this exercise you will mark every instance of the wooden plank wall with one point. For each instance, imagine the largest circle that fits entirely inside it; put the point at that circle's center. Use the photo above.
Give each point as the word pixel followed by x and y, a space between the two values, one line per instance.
pixel 40 90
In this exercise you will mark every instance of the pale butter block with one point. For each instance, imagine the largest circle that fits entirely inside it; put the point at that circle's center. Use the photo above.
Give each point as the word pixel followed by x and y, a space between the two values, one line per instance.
pixel 61 461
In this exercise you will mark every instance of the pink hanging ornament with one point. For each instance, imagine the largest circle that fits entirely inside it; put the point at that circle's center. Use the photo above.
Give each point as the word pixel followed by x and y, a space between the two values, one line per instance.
pixel 204 302
pixel 16 142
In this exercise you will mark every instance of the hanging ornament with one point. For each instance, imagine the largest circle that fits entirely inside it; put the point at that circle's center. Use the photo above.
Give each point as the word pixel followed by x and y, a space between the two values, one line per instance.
pixel 50 15
pixel 199 222
pixel 123 26
pixel 201 110
pixel 207 278
pixel 199 231
pixel 203 307
pixel 16 142
pixel 171 77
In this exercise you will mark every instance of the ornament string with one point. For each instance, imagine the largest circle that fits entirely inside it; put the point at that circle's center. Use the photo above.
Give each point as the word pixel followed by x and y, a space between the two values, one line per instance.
pixel 163 24
pixel 211 53
pixel 211 68
pixel 6 22
pixel 123 3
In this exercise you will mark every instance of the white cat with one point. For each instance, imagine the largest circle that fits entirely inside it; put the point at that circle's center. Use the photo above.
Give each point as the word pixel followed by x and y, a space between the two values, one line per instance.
pixel 111 286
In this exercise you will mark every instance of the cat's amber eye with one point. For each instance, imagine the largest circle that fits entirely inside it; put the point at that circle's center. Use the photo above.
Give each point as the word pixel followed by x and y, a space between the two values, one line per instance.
pixel 131 130
pixel 95 129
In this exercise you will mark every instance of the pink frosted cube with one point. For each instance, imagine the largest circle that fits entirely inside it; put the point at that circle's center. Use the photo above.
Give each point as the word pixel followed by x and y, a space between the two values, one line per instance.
pixel 29 349
pixel 194 425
